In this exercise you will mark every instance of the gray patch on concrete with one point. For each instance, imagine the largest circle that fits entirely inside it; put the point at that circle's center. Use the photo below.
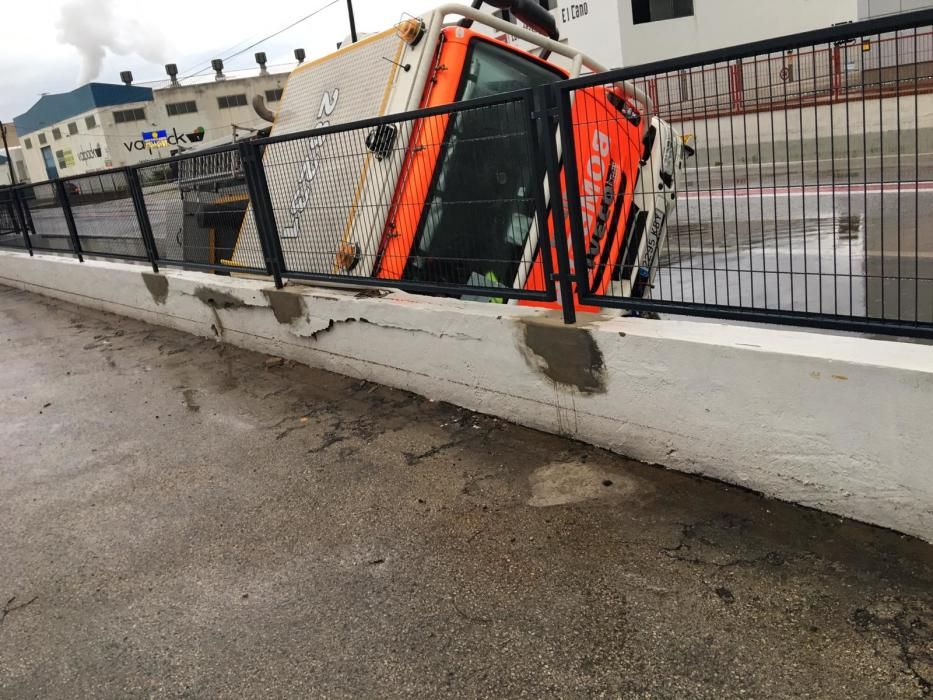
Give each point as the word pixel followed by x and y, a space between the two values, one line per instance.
pixel 562 483
pixel 567 355
pixel 217 299
pixel 286 305
pixel 157 286
pixel 190 403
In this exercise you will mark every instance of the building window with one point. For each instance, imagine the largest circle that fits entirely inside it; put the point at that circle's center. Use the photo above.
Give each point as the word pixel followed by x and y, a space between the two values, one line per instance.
pixel 656 10
pixel 72 129
pixel 90 122
pixel 27 143
pixel 60 157
pixel 42 140
pixel 229 101
pixel 57 134
pixel 274 95
pixel 176 108
pixel 129 115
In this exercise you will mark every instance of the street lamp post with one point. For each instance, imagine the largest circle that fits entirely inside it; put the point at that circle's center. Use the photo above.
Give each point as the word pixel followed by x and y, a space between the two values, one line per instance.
pixel 352 21
pixel 6 149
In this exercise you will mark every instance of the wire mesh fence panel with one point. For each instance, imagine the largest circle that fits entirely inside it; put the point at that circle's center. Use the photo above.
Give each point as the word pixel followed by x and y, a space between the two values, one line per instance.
pixel 810 184
pixel 43 208
pixel 196 207
pixel 11 227
pixel 104 215
pixel 447 198
pixel 8 222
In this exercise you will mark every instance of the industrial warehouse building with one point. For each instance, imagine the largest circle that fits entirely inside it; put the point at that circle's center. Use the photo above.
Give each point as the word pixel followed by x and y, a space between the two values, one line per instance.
pixel 100 125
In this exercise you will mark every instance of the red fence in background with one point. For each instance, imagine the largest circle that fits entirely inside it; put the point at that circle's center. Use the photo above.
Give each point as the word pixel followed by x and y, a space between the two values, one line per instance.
pixel 853 70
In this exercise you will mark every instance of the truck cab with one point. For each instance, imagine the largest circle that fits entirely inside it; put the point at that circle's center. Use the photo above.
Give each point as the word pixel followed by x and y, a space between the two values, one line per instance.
pixel 451 198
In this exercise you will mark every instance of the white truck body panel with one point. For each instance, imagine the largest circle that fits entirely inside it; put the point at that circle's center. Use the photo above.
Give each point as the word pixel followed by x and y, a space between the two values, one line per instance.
pixel 331 190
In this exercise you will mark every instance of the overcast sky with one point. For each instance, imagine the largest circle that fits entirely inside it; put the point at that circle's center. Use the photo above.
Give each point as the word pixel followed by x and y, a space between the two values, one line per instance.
pixel 56 45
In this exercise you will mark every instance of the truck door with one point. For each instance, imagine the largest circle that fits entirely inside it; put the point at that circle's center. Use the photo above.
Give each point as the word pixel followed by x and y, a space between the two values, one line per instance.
pixel 441 227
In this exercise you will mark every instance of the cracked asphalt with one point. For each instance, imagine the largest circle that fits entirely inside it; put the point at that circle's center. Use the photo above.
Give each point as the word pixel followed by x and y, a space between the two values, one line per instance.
pixel 185 519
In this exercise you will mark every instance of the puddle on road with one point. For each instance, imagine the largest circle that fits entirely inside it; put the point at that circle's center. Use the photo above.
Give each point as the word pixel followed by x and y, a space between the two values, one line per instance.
pixel 688 240
pixel 849 227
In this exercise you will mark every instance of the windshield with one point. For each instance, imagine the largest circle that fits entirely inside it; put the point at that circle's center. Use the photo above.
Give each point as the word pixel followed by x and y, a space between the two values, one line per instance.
pixel 481 203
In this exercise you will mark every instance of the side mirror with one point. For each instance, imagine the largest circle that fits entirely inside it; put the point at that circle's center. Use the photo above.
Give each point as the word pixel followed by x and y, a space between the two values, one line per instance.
pixel 381 140
pixel 536 17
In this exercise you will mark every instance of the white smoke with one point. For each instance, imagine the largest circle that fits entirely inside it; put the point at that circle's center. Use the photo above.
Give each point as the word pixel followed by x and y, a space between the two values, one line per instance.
pixel 94 29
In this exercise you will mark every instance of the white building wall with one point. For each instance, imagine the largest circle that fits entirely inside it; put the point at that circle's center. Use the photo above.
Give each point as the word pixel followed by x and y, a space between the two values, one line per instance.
pixel 718 24
pixel 216 122
pixel 605 28
pixel 19 167
pixel 109 144
pixel 83 152
pixel 878 8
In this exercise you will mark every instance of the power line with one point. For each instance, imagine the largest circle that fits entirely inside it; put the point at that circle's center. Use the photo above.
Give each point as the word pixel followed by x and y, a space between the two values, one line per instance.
pixel 235 72
pixel 264 39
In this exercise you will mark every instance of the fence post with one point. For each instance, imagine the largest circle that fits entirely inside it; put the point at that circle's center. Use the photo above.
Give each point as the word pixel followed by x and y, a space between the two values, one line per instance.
pixel 258 188
pixel 142 216
pixel 25 221
pixel 539 171
pixel 65 203
pixel 548 112
pixel 572 185
pixel 736 75
pixel 837 74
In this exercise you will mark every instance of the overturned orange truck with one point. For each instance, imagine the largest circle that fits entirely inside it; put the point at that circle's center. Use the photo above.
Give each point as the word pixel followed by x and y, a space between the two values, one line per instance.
pixel 432 199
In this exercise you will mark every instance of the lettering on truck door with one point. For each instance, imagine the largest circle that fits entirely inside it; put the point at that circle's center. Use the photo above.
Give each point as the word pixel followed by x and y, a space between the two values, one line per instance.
pixel 309 167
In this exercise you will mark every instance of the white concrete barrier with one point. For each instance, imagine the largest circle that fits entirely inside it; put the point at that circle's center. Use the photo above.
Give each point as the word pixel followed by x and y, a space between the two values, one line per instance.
pixel 837 423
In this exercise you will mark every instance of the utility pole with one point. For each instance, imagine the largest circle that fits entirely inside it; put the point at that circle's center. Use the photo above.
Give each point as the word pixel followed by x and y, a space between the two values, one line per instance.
pixel 6 149
pixel 352 21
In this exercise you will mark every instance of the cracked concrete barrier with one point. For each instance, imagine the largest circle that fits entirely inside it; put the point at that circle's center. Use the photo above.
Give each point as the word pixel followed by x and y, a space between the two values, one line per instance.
pixel 835 423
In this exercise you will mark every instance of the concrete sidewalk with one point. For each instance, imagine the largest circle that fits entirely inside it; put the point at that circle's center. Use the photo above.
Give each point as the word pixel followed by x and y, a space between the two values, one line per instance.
pixel 185 519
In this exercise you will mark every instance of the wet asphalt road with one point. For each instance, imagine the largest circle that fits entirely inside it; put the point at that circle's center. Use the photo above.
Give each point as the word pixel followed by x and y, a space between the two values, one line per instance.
pixel 185 519
pixel 852 240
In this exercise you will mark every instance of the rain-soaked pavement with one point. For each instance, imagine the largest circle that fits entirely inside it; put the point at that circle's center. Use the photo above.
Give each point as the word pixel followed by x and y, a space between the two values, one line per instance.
pixel 853 241
pixel 186 519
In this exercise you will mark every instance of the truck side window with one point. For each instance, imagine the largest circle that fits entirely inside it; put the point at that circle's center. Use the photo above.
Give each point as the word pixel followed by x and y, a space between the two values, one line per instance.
pixel 481 202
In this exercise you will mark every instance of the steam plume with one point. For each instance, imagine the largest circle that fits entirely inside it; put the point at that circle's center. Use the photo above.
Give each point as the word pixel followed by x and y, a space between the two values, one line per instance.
pixel 94 29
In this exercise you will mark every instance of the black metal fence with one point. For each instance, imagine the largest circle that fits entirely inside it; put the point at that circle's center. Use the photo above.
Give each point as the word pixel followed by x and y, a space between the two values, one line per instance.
pixel 806 201
pixel 809 198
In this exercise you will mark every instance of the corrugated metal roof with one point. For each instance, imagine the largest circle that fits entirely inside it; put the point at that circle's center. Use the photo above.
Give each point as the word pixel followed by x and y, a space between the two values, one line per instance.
pixel 51 109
